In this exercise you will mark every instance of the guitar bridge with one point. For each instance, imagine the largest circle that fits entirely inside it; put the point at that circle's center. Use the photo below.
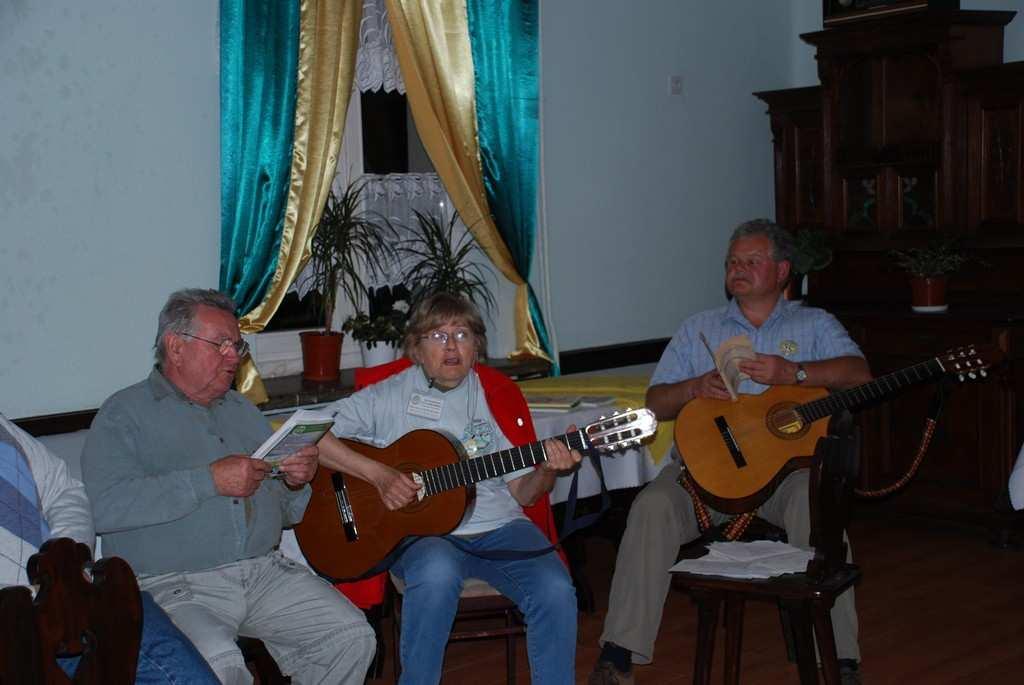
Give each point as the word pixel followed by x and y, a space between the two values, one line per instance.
pixel 348 519
pixel 730 441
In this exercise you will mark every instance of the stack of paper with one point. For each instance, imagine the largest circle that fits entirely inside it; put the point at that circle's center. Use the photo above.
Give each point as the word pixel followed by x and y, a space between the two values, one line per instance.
pixel 759 559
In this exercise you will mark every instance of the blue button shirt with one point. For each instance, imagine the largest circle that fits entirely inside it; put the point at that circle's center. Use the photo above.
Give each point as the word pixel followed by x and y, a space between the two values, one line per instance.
pixel 793 331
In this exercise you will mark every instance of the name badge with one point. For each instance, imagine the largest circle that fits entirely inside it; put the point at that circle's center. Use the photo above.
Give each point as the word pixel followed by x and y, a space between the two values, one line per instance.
pixel 425 406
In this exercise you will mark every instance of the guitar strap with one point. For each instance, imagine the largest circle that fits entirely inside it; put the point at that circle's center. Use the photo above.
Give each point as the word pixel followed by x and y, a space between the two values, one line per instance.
pixel 930 422
pixel 732 531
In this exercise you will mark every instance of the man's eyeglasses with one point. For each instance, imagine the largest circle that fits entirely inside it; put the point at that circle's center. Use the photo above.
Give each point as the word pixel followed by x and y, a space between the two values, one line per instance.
pixel 439 337
pixel 241 348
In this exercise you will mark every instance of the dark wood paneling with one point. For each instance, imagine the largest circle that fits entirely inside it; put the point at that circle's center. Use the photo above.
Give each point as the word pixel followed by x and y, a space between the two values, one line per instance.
pixel 51 424
pixel 612 356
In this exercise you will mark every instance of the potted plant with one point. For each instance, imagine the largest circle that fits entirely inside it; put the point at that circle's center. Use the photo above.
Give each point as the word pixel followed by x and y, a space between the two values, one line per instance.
pixel 348 244
pixel 811 252
pixel 929 267
pixel 379 331
pixel 438 259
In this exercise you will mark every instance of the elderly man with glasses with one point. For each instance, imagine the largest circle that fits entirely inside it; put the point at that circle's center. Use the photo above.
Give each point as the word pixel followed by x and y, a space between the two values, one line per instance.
pixel 175 493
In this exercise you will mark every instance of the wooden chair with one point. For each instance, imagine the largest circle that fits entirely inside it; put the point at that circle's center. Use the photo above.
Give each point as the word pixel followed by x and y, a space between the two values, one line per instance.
pixel 477 602
pixel 85 609
pixel 804 599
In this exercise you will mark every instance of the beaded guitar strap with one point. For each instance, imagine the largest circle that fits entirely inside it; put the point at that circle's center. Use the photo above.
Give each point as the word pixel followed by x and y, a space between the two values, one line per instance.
pixel 732 531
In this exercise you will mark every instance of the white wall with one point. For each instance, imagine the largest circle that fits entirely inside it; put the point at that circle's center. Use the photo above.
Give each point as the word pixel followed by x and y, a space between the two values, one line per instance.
pixel 109 188
pixel 643 188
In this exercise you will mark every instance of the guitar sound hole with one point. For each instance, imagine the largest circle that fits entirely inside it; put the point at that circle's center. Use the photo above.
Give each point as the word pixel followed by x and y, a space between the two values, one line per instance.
pixel 783 422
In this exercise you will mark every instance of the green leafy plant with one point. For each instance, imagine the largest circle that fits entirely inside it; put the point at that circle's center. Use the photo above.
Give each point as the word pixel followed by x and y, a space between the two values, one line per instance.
pixel 348 245
pixel 940 257
pixel 385 322
pixel 812 251
pixel 439 260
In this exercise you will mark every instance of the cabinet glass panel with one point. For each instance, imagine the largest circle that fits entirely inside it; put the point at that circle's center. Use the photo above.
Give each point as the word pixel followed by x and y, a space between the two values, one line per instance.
pixel 917 198
pixel 1001 150
pixel 861 195
pixel 809 181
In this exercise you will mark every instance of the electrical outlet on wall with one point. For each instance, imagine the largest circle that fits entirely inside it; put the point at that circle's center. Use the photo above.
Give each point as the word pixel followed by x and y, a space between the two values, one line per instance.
pixel 675 84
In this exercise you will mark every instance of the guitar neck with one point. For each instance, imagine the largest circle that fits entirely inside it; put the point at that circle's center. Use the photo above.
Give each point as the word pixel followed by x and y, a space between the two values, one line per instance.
pixel 877 389
pixel 470 471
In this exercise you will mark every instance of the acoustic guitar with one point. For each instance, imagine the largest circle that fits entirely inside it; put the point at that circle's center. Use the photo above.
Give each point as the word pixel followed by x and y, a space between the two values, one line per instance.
pixel 347 531
pixel 737 452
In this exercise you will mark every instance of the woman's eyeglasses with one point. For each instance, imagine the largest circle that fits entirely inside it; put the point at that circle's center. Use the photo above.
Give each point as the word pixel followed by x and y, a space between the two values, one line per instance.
pixel 441 338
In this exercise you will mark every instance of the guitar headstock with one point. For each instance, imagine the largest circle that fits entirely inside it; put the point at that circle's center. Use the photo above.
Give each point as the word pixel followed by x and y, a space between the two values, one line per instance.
pixel 620 430
pixel 970 362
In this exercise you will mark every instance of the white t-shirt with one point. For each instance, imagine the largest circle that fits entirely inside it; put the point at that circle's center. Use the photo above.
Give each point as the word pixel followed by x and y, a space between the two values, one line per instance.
pixel 385 411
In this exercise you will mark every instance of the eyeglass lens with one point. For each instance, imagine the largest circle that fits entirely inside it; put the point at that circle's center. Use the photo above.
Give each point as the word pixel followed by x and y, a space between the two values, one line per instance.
pixel 442 337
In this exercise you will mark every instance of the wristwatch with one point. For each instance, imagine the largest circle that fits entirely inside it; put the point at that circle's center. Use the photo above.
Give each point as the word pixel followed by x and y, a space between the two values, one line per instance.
pixel 801 374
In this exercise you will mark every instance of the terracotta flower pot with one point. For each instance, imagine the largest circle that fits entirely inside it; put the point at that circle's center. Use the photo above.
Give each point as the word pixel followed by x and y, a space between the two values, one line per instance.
pixel 321 355
pixel 928 295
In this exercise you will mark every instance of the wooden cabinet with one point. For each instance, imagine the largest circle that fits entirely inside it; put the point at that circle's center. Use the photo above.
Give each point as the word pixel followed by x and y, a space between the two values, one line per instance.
pixel 799 164
pixel 916 132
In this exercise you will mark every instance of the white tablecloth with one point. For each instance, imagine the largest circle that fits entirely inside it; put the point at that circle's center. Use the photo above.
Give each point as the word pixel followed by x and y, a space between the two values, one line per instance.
pixel 622 469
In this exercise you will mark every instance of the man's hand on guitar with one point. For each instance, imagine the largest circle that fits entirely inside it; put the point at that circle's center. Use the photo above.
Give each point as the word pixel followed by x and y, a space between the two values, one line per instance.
pixel 770 369
pixel 560 457
pixel 300 467
pixel 710 386
pixel 396 489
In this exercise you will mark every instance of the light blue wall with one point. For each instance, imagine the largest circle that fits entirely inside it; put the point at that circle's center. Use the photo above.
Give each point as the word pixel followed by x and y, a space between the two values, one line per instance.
pixel 109 169
pixel 642 188
pixel 109 188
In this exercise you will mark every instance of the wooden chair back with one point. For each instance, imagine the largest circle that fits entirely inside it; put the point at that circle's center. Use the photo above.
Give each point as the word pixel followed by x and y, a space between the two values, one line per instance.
pixel 84 609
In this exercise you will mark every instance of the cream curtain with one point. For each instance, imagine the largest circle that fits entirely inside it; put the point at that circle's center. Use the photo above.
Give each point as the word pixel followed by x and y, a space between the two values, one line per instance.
pixel 432 41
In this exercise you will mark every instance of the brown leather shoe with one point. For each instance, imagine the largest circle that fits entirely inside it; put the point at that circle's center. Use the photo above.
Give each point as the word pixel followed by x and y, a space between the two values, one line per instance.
pixel 605 673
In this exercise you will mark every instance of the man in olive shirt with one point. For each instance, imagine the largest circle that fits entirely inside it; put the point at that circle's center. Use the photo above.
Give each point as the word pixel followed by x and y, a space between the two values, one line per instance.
pixel 175 493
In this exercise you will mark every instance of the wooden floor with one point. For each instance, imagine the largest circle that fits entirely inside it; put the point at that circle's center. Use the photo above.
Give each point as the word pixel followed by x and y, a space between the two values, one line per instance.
pixel 937 605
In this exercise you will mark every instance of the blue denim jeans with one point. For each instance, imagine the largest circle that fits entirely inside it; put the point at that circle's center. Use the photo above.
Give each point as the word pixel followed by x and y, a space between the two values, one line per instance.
pixel 165 654
pixel 433 570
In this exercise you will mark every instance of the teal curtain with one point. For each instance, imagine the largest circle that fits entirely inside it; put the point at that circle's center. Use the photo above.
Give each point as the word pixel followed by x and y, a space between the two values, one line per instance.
pixel 258 69
pixel 503 37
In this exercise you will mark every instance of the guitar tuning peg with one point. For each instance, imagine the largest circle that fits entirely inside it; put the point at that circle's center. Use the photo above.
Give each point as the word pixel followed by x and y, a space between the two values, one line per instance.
pixel 984 373
pixel 973 376
pixel 960 377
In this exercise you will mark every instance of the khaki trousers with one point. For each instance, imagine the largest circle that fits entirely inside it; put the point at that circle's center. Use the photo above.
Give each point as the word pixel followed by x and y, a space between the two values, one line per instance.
pixel 313 632
pixel 660 521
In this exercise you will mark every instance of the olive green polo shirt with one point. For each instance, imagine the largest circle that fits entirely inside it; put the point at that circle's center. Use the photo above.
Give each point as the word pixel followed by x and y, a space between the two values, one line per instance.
pixel 146 469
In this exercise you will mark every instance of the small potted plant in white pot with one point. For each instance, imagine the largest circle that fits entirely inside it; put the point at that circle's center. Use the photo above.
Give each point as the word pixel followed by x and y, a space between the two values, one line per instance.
pixel 348 244
pixel 379 331
pixel 929 267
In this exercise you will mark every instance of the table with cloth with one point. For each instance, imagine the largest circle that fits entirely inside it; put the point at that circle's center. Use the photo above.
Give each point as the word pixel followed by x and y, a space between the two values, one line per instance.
pixel 624 470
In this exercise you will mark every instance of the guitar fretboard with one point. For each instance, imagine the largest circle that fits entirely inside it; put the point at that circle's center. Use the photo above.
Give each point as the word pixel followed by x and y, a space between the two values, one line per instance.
pixel 870 391
pixel 470 471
